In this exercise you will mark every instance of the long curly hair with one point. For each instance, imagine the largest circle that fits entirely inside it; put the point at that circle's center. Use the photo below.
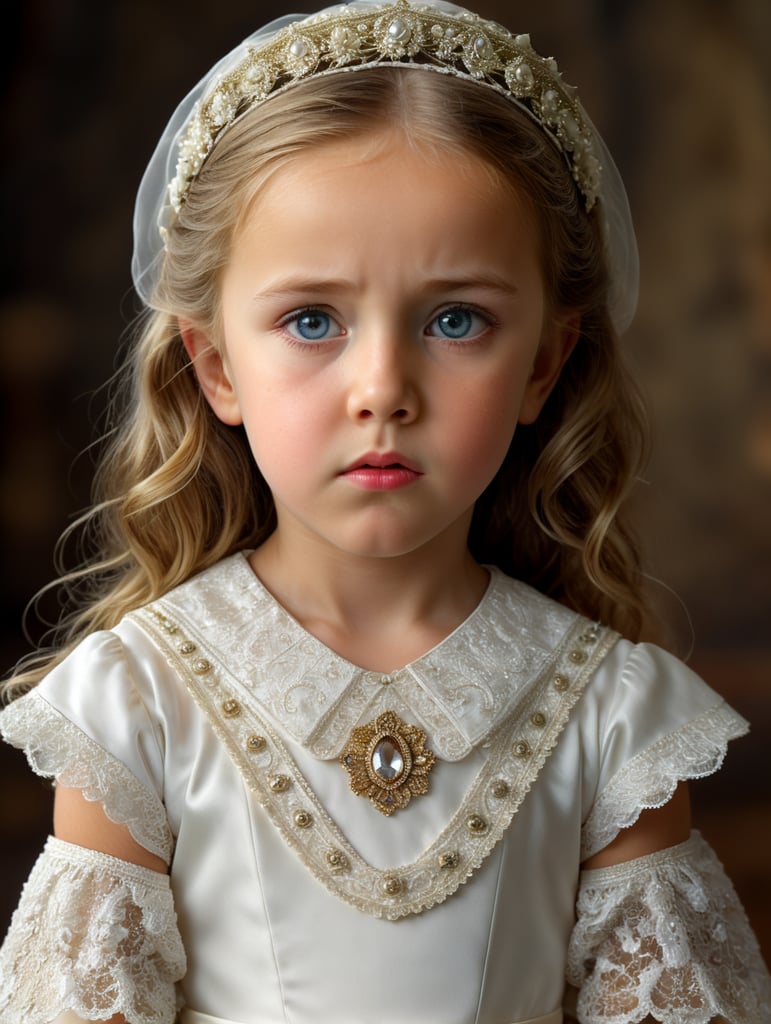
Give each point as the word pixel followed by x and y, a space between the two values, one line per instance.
pixel 176 490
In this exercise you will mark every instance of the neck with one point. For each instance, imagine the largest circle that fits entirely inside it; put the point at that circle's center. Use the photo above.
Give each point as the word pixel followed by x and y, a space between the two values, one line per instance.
pixel 379 613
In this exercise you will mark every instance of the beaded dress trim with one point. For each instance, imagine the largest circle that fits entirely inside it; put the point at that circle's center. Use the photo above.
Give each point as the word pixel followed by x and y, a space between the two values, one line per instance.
pixel 516 751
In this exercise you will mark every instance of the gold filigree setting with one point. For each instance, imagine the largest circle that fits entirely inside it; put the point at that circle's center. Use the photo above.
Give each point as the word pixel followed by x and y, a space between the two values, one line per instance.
pixel 388 762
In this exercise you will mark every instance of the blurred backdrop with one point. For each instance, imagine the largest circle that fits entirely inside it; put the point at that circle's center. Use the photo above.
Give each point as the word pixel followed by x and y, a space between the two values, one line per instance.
pixel 680 90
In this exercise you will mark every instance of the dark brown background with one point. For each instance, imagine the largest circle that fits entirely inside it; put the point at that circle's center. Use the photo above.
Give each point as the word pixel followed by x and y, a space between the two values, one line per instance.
pixel 680 89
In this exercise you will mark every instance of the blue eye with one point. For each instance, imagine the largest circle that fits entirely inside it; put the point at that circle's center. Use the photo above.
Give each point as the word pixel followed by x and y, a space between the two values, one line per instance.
pixel 312 325
pixel 458 323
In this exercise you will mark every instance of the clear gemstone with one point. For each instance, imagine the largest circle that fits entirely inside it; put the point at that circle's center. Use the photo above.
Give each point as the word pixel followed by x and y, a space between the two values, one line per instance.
pixel 387 760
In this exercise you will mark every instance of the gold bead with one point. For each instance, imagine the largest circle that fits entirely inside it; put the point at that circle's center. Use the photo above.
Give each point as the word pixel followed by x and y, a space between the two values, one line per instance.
pixel 449 860
pixel 577 657
pixel 303 819
pixel 521 749
pixel 561 682
pixel 392 885
pixel 476 824
pixel 500 789
pixel 337 861
pixel 255 743
pixel 231 708
pixel 538 718
pixel 279 783
pixel 201 666
pixel 187 647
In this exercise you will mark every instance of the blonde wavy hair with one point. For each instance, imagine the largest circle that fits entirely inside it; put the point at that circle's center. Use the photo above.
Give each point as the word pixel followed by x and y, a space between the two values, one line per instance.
pixel 176 490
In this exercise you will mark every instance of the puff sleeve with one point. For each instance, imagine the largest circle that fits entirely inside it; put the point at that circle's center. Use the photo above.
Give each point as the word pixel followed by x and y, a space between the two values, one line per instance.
pixel 94 935
pixel 653 723
pixel 90 726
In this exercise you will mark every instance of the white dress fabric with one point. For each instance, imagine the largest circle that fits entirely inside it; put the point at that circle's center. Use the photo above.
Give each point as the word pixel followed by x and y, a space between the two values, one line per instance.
pixel 212 723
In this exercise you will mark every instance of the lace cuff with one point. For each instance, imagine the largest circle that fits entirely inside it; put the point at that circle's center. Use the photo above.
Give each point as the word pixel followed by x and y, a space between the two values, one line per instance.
pixel 649 779
pixel 666 936
pixel 94 935
pixel 57 748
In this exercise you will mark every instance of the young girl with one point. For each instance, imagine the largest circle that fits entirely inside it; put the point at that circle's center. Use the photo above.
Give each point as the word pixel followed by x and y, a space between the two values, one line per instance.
pixel 350 723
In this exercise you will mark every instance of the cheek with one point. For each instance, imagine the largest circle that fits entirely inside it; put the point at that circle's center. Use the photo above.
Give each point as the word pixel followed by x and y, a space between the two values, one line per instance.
pixel 286 430
pixel 484 429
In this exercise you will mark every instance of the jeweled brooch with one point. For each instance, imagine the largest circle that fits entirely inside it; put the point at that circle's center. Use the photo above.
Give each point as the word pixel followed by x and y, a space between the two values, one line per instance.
pixel 388 762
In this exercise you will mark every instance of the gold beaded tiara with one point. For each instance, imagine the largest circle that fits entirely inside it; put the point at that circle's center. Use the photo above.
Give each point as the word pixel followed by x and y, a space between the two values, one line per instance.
pixel 400 34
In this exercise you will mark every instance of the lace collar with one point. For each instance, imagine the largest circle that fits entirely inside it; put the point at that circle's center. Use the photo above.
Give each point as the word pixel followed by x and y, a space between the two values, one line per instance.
pixel 458 692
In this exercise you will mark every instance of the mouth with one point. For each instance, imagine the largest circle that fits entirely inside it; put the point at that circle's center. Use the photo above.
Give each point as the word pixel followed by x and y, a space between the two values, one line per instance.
pixel 386 460
pixel 386 471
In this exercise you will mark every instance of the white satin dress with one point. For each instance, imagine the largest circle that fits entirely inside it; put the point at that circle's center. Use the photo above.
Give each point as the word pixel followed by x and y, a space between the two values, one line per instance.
pixel 212 724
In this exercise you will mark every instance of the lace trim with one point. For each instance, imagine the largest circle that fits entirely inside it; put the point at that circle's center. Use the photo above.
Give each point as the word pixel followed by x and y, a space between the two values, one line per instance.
pixel 56 748
pixel 317 696
pixel 649 779
pixel 666 936
pixel 94 935
pixel 516 754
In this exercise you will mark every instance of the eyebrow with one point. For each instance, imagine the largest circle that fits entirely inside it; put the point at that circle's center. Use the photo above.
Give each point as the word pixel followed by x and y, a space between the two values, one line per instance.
pixel 491 282
pixel 319 286
pixel 304 285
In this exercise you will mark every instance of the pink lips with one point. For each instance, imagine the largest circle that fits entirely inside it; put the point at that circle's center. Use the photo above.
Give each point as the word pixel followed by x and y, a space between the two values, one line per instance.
pixel 382 471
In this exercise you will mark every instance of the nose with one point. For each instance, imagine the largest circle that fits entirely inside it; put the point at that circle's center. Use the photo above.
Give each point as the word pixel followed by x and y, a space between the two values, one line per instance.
pixel 383 385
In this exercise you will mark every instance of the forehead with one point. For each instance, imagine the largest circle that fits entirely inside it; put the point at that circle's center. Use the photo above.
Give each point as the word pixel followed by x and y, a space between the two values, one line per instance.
pixel 382 218
pixel 332 161
pixel 382 184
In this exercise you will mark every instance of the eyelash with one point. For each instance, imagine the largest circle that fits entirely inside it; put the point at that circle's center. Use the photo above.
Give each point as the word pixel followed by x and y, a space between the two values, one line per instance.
pixel 491 321
pixel 308 344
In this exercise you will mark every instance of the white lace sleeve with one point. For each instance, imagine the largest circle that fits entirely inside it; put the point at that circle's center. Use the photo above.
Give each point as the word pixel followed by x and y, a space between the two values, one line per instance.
pixel 665 936
pixel 93 935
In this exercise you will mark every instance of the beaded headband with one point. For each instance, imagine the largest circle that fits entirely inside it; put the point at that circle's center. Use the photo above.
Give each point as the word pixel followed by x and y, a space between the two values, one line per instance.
pixel 399 34
pixel 430 35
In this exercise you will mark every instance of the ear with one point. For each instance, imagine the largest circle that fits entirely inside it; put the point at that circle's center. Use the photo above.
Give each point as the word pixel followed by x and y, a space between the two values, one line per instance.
pixel 553 352
pixel 212 372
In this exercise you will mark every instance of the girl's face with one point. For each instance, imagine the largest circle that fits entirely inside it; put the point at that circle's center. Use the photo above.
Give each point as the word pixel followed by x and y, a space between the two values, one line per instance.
pixel 383 333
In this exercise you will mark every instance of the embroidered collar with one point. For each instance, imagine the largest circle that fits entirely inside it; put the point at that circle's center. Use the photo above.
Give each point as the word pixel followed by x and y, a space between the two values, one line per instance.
pixel 458 692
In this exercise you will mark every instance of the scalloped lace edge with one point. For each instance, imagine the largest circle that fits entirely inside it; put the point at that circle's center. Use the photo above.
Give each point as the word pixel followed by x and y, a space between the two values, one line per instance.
pixel 664 937
pixel 56 748
pixel 105 931
pixel 649 779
